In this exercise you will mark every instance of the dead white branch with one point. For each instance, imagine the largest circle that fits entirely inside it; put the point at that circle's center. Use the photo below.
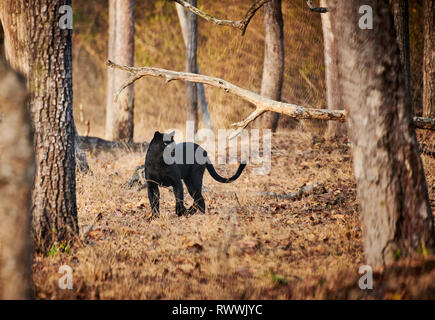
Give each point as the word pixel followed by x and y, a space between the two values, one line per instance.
pixel 239 24
pixel 316 9
pixel 260 103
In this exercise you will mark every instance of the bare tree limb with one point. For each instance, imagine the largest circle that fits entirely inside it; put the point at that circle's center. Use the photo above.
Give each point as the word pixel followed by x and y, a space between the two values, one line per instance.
pixel 316 9
pixel 261 104
pixel 239 24
pixel 206 119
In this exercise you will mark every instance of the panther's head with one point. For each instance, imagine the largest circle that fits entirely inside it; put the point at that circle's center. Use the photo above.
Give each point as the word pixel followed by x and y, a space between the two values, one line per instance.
pixel 161 140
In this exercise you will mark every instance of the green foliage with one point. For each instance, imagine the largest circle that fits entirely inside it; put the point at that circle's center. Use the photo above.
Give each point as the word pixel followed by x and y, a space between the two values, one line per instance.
pixel 58 248
pixel 397 253
pixel 277 279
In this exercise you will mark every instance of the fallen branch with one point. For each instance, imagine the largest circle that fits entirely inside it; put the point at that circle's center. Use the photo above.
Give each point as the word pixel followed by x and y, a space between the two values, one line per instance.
pixel 96 220
pixel 316 9
pixel 261 104
pixel 239 24
pixel 138 178
pixel 302 191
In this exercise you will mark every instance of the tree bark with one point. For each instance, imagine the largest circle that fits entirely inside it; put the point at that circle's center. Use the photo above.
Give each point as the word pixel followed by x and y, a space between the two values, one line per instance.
pixel 16 178
pixel 50 80
pixel 14 21
pixel 429 59
pixel 401 24
pixel 200 87
pixel 273 67
pixel 395 210
pixel 333 98
pixel 13 16
pixel 120 114
pixel 191 66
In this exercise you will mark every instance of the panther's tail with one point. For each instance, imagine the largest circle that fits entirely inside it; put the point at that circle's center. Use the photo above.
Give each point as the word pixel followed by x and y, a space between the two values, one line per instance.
pixel 218 178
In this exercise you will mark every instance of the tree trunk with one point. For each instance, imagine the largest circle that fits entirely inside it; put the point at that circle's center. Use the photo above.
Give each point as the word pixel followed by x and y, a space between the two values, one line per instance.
pixel 191 66
pixel 119 114
pixel 395 210
pixel 201 92
pixel 14 21
pixel 429 60
pixel 273 67
pixel 13 16
pixel 334 100
pixel 16 178
pixel 50 79
pixel 401 24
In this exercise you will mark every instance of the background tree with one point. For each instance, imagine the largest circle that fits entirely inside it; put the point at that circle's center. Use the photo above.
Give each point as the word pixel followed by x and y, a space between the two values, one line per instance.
pixel 395 210
pixel 200 87
pixel 273 67
pixel 16 178
pixel 13 17
pixel 429 59
pixel 43 51
pixel 120 113
pixel 401 23
pixel 333 98
pixel 191 66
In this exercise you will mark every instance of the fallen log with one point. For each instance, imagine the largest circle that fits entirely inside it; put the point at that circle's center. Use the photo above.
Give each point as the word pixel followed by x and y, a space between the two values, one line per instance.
pixel 96 145
pixel 298 194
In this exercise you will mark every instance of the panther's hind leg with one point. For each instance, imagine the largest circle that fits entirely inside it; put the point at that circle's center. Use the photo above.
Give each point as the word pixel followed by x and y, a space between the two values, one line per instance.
pixel 178 193
pixel 194 187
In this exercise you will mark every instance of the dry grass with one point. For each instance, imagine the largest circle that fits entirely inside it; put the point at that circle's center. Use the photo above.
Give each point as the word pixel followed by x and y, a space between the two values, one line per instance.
pixel 253 248
pixel 260 248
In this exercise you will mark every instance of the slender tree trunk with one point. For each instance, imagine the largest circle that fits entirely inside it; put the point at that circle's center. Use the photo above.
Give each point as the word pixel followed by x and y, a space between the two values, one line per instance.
pixel 429 60
pixel 119 115
pixel 50 79
pixel 333 98
pixel 14 21
pixel 395 210
pixel 273 68
pixel 201 92
pixel 191 66
pixel 401 24
pixel 16 178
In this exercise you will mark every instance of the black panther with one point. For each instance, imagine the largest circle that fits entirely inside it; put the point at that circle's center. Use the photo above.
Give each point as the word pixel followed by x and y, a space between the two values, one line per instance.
pixel 167 163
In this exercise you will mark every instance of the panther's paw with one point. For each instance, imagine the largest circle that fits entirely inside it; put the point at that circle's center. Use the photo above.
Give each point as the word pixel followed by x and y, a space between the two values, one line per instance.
pixel 180 211
pixel 191 210
pixel 151 216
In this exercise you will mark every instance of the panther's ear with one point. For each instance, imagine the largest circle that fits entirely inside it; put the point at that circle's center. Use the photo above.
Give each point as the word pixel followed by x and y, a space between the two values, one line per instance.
pixel 169 137
pixel 157 135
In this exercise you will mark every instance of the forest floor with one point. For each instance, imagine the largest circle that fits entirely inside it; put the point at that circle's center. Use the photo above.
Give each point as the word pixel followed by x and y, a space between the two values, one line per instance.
pixel 247 246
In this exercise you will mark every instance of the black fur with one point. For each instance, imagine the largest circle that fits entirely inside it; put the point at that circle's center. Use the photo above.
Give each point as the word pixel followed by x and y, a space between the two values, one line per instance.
pixel 186 167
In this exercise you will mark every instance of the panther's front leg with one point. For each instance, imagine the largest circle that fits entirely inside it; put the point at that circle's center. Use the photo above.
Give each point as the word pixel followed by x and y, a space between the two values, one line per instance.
pixel 154 197
pixel 179 198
